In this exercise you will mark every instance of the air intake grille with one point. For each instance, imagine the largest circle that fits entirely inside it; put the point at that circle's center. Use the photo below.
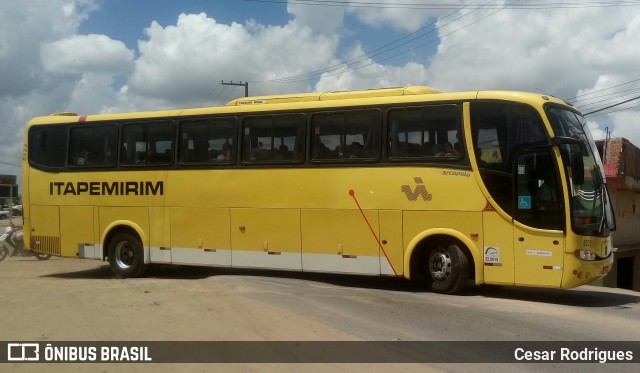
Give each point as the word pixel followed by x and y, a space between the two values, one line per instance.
pixel 46 244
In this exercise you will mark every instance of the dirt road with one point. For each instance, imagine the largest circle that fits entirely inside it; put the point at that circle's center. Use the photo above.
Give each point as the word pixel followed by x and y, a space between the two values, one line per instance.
pixel 79 300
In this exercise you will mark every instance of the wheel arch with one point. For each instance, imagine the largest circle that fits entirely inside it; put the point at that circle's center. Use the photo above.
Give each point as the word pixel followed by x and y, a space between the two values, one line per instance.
pixel 119 226
pixel 420 243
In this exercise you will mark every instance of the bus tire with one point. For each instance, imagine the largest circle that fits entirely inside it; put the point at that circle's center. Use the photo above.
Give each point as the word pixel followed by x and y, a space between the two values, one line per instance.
pixel 447 269
pixel 126 255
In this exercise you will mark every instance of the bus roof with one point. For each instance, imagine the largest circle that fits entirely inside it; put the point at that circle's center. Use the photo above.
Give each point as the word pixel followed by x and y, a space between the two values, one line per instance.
pixel 407 95
pixel 326 96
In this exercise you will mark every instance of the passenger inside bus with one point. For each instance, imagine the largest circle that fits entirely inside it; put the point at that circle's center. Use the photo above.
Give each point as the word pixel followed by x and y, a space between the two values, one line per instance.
pixel 226 155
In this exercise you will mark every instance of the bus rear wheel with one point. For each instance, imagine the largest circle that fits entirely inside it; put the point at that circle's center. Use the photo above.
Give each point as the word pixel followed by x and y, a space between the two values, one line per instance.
pixel 447 269
pixel 126 256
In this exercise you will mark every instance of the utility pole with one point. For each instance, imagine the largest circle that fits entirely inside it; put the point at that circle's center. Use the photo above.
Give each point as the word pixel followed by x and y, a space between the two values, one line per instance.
pixel 245 85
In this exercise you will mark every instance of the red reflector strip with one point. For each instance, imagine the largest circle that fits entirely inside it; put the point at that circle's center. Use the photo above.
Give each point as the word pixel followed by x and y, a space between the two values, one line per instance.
pixel 210 250
pixel 349 256
pixel 547 267
pixel 274 253
pixel 82 119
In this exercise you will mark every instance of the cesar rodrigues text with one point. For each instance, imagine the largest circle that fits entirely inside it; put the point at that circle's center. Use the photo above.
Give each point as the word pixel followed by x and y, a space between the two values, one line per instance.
pixel 568 355
pixel 103 188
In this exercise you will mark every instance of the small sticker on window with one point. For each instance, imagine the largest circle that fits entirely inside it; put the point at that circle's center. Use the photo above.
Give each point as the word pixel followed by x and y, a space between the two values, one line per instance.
pixel 522 169
pixel 524 202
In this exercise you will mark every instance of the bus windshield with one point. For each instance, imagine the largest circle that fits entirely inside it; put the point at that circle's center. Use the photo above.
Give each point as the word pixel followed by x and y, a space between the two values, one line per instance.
pixel 591 211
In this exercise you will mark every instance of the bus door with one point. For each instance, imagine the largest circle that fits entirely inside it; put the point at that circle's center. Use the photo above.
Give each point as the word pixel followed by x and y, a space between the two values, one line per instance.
pixel 538 228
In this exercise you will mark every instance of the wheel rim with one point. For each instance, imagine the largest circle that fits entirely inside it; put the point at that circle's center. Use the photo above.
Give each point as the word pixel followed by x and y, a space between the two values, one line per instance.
pixel 125 254
pixel 440 264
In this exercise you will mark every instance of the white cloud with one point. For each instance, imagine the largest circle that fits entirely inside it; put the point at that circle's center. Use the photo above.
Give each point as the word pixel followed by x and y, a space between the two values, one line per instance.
pixel 622 121
pixel 371 75
pixel 182 64
pixel 407 16
pixel 79 54
pixel 26 90
pixel 558 51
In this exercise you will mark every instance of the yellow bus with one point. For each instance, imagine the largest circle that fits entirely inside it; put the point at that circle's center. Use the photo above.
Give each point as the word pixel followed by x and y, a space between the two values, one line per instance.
pixel 491 186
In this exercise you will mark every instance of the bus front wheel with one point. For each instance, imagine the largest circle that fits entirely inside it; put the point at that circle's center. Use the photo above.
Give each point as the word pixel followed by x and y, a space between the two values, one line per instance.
pixel 447 269
pixel 126 255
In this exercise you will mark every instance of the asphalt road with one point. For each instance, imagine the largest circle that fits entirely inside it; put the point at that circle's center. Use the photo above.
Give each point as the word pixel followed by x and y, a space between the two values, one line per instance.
pixel 80 300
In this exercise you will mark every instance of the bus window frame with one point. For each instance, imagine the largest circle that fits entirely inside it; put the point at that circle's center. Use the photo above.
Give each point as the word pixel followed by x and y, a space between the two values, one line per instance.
pixel 380 112
pixel 116 156
pixel 432 159
pixel 232 120
pixel 145 123
pixel 66 127
pixel 300 140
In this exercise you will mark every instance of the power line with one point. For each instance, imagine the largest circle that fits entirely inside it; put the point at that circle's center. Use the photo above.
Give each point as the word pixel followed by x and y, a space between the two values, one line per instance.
pixel 614 105
pixel 530 5
pixel 387 47
pixel 603 89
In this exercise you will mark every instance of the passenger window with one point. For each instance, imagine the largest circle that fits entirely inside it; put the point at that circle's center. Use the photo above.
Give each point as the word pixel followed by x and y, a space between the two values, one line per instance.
pixel 147 143
pixel 431 132
pixel 48 146
pixel 273 139
pixel 93 146
pixel 208 141
pixel 346 136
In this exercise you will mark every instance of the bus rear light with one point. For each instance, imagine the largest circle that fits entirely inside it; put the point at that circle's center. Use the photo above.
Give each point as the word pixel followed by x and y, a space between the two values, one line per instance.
pixel 585 254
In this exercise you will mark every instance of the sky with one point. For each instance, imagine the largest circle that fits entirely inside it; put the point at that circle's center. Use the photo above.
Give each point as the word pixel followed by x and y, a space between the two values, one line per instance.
pixel 107 56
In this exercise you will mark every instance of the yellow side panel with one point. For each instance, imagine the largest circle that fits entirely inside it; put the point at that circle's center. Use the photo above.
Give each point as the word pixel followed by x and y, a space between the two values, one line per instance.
pixel 498 249
pixel 135 217
pixel 159 228
pixel 76 228
pixel 268 230
pixel 45 229
pixel 202 228
pixel 391 238
pixel 342 232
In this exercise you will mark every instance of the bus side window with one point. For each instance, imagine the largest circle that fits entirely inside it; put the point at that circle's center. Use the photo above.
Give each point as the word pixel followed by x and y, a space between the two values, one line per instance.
pixel 424 132
pixel 273 139
pixel 349 135
pixel 209 140
pixel 93 146
pixel 148 143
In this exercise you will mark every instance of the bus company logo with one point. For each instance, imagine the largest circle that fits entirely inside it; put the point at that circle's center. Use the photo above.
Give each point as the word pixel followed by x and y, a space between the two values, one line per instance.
pixel 420 190
pixel 116 188
pixel 23 352
pixel 456 173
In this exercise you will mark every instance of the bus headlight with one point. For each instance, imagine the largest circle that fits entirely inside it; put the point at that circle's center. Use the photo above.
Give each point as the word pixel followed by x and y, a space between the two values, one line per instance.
pixel 585 254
